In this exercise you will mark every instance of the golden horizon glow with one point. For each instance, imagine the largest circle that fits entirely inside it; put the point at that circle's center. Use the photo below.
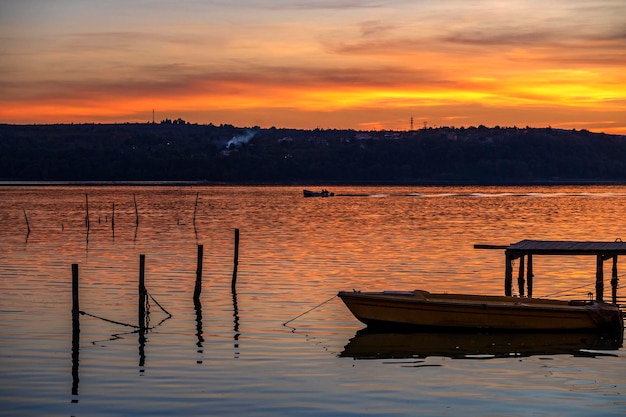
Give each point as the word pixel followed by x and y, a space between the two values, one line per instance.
pixel 316 63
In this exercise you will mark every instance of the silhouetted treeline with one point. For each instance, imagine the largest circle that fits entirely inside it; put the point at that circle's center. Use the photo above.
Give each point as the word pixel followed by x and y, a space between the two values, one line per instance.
pixel 228 154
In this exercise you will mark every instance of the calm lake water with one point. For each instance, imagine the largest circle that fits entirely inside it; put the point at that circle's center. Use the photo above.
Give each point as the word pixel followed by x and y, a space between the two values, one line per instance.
pixel 234 354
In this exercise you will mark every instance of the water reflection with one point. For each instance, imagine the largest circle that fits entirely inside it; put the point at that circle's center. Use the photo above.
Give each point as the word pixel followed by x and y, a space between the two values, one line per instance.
pixel 235 326
pixel 199 332
pixel 298 252
pixel 75 355
pixel 373 344
pixel 75 332
pixel 142 348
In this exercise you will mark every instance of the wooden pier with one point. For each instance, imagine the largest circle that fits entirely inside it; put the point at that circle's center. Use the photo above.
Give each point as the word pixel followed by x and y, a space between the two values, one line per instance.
pixel 526 249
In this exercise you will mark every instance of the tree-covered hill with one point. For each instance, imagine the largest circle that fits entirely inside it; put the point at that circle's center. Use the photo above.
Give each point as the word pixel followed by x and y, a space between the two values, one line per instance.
pixel 178 151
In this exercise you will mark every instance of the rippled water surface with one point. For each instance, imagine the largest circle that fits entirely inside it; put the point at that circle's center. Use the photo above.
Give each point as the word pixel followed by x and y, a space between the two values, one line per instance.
pixel 283 344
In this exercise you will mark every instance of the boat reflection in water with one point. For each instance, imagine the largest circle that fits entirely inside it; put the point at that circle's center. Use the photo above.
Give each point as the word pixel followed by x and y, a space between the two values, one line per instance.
pixel 370 343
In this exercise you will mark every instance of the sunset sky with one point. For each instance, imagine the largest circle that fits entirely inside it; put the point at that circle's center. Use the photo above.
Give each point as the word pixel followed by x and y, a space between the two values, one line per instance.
pixel 361 64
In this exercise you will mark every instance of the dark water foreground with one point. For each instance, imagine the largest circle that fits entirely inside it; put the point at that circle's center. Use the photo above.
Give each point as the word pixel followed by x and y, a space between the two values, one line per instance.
pixel 230 353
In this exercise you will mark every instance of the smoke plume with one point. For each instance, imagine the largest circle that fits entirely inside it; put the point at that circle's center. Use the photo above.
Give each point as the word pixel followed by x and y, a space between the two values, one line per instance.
pixel 241 139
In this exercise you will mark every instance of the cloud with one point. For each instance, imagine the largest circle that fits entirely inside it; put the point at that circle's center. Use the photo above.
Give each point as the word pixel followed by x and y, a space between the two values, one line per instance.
pixel 170 80
pixel 310 4
pixel 500 37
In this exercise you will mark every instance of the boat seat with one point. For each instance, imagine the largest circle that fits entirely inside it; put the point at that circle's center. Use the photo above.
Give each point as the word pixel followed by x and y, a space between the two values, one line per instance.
pixel 421 294
pixel 580 302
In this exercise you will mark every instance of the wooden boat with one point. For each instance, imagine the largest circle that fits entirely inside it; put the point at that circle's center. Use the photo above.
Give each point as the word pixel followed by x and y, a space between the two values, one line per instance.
pixel 323 193
pixel 463 311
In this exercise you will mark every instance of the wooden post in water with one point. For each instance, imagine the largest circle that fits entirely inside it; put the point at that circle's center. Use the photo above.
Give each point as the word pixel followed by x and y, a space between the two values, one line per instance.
pixel 113 218
pixel 236 262
pixel 198 288
pixel 599 278
pixel 75 307
pixel 142 292
pixel 75 331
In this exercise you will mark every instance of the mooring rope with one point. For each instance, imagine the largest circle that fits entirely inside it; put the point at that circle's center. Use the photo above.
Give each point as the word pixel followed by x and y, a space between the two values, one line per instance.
pixel 308 311
pixel 157 303
pixel 582 286
pixel 147 326
pixel 110 321
pixel 569 289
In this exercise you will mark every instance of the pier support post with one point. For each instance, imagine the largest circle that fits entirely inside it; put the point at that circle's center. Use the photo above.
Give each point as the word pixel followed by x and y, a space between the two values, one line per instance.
pixel 614 281
pixel 520 277
pixel 508 275
pixel 529 275
pixel 599 278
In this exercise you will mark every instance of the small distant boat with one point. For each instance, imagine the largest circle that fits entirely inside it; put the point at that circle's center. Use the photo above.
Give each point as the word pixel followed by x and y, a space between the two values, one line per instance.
pixel 323 193
pixel 422 309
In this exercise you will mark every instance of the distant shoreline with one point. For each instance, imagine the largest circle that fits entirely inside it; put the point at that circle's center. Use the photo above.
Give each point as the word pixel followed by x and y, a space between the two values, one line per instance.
pixel 192 155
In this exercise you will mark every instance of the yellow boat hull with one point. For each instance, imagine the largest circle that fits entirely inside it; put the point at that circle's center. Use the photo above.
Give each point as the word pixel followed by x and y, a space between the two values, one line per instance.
pixel 459 311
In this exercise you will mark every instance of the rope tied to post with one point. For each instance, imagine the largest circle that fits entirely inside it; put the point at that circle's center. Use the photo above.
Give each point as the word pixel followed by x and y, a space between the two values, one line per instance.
pixel 157 303
pixel 109 321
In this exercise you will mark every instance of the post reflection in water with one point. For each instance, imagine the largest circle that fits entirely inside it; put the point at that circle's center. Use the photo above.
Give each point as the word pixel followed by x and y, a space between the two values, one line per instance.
pixel 75 356
pixel 75 332
pixel 142 348
pixel 236 326
pixel 198 308
pixel 143 312
pixel 196 296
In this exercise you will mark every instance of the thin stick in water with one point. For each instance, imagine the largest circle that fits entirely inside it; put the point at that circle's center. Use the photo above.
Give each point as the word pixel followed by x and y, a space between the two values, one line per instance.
pixel 136 211
pixel 195 209
pixel 87 211
pixel 26 218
